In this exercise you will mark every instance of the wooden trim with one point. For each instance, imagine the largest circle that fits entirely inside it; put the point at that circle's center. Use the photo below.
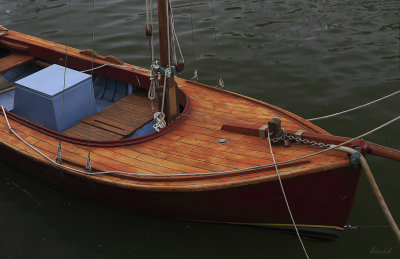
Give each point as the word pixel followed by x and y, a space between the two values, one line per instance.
pixel 14 60
pixel 367 147
pixel 14 45
pixel 94 143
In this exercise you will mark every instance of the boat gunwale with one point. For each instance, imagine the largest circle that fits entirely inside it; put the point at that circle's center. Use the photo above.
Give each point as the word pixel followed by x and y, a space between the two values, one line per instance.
pixel 190 185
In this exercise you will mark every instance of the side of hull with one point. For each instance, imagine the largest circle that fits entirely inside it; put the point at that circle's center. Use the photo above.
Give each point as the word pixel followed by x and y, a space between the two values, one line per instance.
pixel 321 202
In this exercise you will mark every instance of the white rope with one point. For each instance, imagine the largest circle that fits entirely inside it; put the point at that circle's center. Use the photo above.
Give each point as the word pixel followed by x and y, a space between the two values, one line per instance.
pixel 159 117
pixel 154 84
pixel 375 189
pixel 115 65
pixel 200 174
pixel 355 108
pixel 221 83
pixel 58 156
pixel 174 33
pixel 195 75
pixel 284 196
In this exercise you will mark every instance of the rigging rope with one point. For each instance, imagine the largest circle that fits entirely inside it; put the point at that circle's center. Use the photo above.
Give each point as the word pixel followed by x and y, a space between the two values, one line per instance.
pixel 175 37
pixel 284 196
pixel 154 83
pixel 195 75
pixel 220 81
pixel 159 117
pixel 88 166
pixel 58 156
pixel 355 108
pixel 375 189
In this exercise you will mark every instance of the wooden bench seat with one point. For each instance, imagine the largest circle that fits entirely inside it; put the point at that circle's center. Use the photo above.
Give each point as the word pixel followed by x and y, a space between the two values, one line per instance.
pixel 14 60
pixel 116 121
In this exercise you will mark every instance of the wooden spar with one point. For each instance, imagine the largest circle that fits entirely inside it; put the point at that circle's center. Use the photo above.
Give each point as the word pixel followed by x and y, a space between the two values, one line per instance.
pixel 171 109
pixel 368 147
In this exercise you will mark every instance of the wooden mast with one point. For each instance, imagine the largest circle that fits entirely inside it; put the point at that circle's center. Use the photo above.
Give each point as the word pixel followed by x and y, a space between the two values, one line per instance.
pixel 171 108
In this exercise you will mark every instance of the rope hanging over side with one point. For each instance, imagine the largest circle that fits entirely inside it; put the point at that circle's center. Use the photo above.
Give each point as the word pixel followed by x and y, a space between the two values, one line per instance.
pixel 284 196
pixel 374 187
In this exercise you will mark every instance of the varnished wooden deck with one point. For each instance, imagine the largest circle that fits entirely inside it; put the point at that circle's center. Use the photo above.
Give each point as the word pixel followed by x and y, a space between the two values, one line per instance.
pixel 116 121
pixel 189 149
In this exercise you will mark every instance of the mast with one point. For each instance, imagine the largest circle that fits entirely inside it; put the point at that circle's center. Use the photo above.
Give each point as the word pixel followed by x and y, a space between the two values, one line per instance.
pixel 171 107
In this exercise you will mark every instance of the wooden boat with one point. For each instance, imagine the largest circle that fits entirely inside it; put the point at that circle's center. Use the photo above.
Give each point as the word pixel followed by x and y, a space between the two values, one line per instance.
pixel 211 163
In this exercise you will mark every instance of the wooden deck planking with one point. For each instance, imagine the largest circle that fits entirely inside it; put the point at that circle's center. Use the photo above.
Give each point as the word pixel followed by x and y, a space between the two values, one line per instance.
pixel 230 116
pixel 116 121
pixel 260 145
pixel 228 102
pixel 243 153
pixel 194 164
pixel 196 128
pixel 187 151
pixel 148 159
pixel 85 131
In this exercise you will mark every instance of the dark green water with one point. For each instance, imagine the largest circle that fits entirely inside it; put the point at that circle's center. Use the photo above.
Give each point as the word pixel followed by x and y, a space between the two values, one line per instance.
pixel 310 57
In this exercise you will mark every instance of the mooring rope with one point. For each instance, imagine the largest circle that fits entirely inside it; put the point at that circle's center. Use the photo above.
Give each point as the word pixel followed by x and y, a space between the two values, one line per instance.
pixel 355 108
pixel 375 189
pixel 284 196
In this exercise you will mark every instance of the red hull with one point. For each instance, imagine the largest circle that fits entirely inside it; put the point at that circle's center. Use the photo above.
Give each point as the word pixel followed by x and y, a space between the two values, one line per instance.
pixel 321 202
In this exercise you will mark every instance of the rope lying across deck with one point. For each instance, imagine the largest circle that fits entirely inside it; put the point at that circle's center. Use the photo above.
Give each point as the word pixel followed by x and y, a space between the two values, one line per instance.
pixel 195 174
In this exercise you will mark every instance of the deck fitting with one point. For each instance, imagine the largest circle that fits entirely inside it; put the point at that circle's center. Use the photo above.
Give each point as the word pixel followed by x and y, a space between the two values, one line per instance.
pixel 222 141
